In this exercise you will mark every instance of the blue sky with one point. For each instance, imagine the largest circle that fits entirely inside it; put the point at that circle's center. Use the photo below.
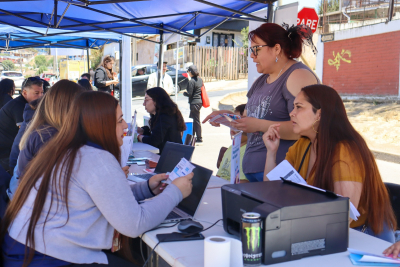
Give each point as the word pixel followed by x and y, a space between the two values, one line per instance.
pixel 303 3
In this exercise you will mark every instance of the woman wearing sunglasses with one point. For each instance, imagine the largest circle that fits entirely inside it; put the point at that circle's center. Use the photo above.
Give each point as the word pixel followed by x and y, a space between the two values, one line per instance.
pixel 270 98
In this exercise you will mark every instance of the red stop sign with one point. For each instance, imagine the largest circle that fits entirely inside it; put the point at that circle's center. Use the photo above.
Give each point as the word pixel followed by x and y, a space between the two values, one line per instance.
pixel 308 16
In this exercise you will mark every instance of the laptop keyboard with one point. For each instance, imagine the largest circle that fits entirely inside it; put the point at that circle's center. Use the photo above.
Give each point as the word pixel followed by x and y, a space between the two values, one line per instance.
pixel 145 176
pixel 173 215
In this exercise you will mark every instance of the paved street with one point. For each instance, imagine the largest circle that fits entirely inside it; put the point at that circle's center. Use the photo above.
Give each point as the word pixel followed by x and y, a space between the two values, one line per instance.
pixel 214 138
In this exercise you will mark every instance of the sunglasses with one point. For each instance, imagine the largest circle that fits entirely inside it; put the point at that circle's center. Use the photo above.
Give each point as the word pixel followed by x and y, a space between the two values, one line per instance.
pixel 30 79
pixel 254 49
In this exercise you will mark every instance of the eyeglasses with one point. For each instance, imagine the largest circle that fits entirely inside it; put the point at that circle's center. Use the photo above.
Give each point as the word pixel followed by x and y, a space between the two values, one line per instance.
pixel 253 49
pixel 147 99
pixel 30 79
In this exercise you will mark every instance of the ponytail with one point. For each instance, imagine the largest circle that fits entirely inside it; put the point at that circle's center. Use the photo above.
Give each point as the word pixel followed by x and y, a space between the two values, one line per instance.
pixel 291 39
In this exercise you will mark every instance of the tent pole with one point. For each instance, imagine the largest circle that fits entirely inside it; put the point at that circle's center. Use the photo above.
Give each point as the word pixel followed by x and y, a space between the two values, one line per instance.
pixel 55 13
pixel 120 76
pixel 87 57
pixel 270 12
pixel 160 59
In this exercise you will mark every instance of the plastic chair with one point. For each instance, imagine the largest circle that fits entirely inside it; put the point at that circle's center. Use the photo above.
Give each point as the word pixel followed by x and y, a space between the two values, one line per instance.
pixel 394 195
pixel 221 155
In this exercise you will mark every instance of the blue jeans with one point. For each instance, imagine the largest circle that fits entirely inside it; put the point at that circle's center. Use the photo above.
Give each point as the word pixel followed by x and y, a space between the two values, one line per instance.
pixel 387 234
pixel 255 177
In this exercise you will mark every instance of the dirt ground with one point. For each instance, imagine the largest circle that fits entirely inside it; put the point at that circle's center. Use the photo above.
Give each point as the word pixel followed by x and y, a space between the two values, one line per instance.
pixel 379 124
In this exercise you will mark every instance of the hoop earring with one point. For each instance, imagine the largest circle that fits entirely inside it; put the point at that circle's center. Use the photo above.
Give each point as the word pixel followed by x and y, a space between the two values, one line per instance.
pixel 276 59
pixel 313 126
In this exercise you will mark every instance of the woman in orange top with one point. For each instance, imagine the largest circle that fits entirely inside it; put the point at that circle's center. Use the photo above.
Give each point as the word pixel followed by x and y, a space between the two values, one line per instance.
pixel 333 156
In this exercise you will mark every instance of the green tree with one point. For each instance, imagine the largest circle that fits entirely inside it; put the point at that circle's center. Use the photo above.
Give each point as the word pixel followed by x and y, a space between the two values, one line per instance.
pixel 41 70
pixel 50 62
pixel 332 6
pixel 95 58
pixel 245 37
pixel 8 65
pixel 40 61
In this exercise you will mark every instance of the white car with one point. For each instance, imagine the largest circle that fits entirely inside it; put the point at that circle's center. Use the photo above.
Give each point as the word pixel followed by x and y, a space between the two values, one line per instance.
pixel 16 76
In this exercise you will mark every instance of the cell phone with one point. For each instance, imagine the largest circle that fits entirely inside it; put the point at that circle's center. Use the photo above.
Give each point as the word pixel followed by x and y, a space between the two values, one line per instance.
pixel 175 237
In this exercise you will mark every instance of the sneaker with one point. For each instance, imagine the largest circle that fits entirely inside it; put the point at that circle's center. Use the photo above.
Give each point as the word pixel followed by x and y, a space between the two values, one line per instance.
pixel 199 140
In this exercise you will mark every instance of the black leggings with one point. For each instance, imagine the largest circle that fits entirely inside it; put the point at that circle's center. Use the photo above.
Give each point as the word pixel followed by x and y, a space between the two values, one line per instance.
pixel 113 261
pixel 195 115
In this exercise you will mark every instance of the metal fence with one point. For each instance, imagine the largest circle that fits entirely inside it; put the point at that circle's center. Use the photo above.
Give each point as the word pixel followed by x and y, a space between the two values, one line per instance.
pixel 357 13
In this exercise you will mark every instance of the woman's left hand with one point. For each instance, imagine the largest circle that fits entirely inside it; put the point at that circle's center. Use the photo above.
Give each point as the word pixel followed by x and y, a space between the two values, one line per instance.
pixel 155 183
pixel 126 170
pixel 247 124
pixel 392 251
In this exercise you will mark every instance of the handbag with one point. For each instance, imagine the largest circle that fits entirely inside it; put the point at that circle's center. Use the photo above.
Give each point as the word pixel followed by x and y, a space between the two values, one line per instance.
pixel 204 97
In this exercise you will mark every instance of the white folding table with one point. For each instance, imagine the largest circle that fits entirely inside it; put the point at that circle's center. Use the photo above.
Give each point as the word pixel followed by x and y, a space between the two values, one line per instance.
pixel 191 253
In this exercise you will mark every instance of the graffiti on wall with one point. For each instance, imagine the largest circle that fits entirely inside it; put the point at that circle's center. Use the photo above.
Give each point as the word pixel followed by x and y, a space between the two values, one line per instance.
pixel 339 58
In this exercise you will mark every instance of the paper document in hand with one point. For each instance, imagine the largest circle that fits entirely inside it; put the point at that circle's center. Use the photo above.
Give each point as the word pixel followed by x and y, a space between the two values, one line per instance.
pixel 184 167
pixel 287 172
pixel 226 119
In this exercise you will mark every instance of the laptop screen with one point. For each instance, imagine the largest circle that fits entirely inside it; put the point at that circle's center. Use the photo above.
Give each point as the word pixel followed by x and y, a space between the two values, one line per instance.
pixel 200 180
pixel 171 155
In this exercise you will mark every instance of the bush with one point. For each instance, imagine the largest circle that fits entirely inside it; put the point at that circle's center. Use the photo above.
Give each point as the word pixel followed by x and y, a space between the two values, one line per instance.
pixel 40 61
pixel 8 65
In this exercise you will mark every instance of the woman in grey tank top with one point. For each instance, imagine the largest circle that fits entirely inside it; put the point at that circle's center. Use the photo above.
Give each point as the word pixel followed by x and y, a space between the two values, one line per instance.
pixel 270 98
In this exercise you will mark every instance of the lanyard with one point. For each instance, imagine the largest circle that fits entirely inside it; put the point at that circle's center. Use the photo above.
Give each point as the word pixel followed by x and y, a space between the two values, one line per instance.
pixel 304 156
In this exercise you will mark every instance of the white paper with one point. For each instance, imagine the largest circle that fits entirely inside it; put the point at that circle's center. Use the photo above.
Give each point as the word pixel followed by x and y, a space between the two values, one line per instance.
pixel 370 257
pixel 126 150
pixel 184 167
pixel 367 258
pixel 286 171
pixel 235 158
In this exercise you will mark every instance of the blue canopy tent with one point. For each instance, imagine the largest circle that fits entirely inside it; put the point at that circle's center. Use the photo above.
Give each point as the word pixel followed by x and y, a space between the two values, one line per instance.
pixel 12 38
pixel 123 17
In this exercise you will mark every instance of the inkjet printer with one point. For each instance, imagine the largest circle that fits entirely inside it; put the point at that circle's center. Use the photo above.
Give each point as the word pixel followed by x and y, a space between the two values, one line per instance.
pixel 297 221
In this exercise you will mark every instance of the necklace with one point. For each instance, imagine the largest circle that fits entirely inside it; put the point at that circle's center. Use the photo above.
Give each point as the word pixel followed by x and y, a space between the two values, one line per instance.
pixel 279 74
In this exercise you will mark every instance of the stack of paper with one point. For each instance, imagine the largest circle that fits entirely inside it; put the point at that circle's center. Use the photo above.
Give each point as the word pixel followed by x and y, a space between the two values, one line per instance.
pixel 287 172
pixel 368 259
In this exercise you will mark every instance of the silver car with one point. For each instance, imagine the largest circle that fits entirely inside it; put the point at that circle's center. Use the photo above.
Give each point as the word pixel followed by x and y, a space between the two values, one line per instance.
pixel 17 76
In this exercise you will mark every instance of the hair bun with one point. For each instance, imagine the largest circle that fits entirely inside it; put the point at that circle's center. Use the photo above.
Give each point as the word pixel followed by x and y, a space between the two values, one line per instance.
pixel 304 32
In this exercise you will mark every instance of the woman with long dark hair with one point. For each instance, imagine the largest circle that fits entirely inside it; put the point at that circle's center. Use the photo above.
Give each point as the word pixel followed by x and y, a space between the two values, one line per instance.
pixel 166 121
pixel 195 101
pixel 104 76
pixel 333 156
pixel 74 194
pixel 270 98
pixel 7 88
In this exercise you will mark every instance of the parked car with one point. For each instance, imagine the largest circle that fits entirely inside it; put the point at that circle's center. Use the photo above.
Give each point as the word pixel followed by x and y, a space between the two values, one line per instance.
pixel 51 78
pixel 139 82
pixel 17 76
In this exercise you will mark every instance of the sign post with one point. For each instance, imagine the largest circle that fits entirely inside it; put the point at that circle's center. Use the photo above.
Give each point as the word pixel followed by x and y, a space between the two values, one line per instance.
pixel 308 16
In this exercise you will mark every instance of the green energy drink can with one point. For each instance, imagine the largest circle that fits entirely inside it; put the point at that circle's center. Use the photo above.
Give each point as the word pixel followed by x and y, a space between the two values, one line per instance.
pixel 251 239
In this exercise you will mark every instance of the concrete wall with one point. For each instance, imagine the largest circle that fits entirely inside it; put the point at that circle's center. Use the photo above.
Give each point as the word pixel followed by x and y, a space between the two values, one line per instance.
pixel 146 51
pixel 363 60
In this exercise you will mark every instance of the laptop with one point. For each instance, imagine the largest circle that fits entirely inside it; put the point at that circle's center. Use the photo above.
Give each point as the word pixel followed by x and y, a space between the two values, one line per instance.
pixel 170 157
pixel 188 206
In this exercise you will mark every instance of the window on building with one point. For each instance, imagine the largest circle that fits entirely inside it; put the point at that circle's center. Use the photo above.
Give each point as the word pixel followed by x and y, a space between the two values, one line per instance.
pixel 222 39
